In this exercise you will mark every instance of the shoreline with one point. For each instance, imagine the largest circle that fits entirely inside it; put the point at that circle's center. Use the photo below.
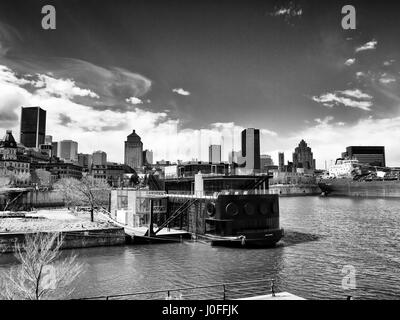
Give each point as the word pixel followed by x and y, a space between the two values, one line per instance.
pixel 76 228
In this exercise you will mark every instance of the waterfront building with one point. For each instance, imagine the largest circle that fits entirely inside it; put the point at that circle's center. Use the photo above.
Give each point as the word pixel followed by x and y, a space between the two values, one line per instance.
pixel 148 157
pixel 249 159
pixel 303 157
pixel 189 169
pixel 115 173
pixel 60 170
pixel 214 154
pixel 371 155
pixel 68 150
pixel 33 127
pixel 10 162
pixel 99 158
pixel 134 151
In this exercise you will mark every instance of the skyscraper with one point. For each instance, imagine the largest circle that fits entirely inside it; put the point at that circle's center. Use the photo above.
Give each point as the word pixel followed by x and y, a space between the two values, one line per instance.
pixel 303 157
pixel 214 153
pixel 281 160
pixel 250 154
pixel 33 127
pixel 148 157
pixel 48 139
pixel 134 151
pixel 68 150
pixel 99 158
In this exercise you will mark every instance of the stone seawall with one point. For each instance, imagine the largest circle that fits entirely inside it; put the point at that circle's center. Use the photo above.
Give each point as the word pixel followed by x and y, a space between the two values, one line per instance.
pixel 294 190
pixel 72 239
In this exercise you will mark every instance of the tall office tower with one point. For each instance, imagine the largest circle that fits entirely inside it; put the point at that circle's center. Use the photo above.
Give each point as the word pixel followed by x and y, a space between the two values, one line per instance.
pixel 55 148
pixel 250 154
pixel 214 153
pixel 99 158
pixel 33 127
pixel 134 151
pixel 303 157
pixel 48 139
pixel 148 157
pixel 68 150
pixel 85 160
pixel 281 160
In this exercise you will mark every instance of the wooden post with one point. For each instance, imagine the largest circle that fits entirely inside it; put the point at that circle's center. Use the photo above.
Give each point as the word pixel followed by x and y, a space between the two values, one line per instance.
pixel 151 231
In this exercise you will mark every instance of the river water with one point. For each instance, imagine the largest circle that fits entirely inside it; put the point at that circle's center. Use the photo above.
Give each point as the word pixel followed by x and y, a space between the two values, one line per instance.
pixel 322 236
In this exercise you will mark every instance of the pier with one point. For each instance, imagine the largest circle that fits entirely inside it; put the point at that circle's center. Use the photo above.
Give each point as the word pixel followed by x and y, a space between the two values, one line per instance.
pixel 242 290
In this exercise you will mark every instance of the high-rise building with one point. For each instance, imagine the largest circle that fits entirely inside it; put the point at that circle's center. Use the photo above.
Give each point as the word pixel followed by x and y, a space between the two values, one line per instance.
pixel 68 150
pixel 250 153
pixel 148 157
pixel 33 127
pixel 303 157
pixel 85 160
pixel 134 151
pixel 281 160
pixel 48 139
pixel 214 153
pixel 99 158
pixel 55 148
pixel 265 162
pixel 372 155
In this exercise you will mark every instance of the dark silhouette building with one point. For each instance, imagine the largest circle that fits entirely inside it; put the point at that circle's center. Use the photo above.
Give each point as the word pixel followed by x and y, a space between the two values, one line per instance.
pixel 303 157
pixel 250 153
pixel 134 151
pixel 372 155
pixel 33 127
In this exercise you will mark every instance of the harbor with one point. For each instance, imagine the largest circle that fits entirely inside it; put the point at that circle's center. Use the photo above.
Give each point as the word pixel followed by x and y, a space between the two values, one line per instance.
pixel 322 235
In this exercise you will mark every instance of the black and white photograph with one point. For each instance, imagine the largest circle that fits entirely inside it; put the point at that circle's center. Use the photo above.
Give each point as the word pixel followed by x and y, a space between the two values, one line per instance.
pixel 213 151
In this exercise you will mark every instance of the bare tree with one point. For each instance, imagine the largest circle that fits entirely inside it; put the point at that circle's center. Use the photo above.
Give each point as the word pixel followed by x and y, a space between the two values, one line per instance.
pixel 41 177
pixel 41 273
pixel 87 191
pixel 66 187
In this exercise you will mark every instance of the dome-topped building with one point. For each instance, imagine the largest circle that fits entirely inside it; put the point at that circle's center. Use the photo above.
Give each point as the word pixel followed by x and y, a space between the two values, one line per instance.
pixel 134 151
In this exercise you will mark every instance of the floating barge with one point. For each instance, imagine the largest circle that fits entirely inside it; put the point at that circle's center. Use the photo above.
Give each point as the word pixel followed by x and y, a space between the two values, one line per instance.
pixel 243 218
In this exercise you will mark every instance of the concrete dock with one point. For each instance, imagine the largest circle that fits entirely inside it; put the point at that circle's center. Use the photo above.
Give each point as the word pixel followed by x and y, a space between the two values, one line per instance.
pixel 278 296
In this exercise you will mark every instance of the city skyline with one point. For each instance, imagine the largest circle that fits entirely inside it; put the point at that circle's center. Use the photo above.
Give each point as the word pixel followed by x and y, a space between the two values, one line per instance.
pixel 183 87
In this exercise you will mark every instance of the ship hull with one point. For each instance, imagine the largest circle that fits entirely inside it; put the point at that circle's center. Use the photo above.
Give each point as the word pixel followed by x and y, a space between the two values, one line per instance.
pixel 364 189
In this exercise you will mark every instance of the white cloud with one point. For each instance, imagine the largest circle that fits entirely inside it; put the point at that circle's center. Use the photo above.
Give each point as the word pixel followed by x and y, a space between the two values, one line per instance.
pixel 181 91
pixel 371 45
pixel 134 100
pixel 356 93
pixel 360 74
pixel 389 62
pixel 387 80
pixel 348 98
pixel 349 62
pixel 63 88
pixel 107 129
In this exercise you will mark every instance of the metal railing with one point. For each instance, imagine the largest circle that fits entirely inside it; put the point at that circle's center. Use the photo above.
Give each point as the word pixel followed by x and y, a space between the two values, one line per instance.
pixel 220 291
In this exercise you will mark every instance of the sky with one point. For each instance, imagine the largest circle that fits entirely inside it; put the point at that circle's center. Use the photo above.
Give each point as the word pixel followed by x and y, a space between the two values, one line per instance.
pixel 186 74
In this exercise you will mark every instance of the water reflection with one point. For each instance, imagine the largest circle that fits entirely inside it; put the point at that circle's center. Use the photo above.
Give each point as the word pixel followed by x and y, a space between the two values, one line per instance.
pixel 321 236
